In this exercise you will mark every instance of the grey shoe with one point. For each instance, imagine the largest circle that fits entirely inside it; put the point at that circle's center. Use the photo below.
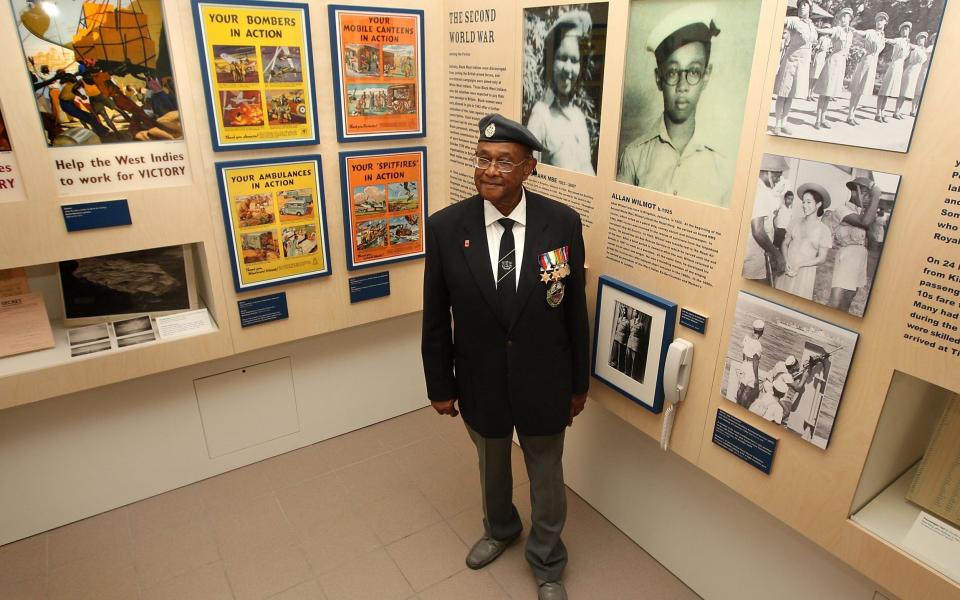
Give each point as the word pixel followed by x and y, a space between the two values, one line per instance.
pixel 486 550
pixel 552 590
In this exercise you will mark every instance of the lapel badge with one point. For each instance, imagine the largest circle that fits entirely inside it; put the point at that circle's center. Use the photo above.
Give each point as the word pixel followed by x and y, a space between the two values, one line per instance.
pixel 466 243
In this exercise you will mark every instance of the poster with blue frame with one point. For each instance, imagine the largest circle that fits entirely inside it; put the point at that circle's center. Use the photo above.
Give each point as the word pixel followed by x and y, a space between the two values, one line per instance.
pixel 257 66
pixel 632 333
pixel 384 205
pixel 275 220
pixel 378 72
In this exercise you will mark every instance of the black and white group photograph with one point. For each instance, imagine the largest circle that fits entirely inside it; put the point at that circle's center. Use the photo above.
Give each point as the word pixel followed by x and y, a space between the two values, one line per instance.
pixel 563 58
pixel 685 85
pixel 633 330
pixel 853 72
pixel 818 230
pixel 787 367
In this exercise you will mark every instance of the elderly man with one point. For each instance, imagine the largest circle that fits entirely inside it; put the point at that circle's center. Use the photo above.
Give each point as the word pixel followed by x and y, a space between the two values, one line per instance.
pixel 506 267
pixel 670 156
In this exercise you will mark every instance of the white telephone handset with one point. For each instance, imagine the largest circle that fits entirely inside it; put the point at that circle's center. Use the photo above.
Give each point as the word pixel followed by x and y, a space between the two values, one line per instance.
pixel 676 378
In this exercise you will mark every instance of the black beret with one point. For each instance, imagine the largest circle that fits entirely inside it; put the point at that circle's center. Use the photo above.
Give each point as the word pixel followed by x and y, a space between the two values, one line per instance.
pixel 497 128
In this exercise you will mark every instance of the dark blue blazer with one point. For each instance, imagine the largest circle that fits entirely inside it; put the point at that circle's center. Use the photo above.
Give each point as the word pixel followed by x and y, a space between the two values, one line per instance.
pixel 516 371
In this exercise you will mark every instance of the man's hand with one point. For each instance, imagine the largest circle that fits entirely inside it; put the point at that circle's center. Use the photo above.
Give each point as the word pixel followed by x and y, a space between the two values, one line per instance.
pixel 446 407
pixel 576 406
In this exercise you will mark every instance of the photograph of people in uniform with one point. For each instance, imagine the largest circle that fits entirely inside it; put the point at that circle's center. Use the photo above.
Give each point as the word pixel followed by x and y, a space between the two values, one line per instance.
pixel 787 367
pixel 563 82
pixel 630 338
pixel 817 230
pixel 853 72
pixel 687 72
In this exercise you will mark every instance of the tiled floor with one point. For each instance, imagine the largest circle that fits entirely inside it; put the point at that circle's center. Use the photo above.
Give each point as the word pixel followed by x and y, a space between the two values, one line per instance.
pixel 384 513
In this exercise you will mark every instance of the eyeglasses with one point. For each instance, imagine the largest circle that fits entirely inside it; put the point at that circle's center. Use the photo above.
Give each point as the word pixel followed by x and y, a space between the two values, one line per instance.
pixel 503 166
pixel 693 75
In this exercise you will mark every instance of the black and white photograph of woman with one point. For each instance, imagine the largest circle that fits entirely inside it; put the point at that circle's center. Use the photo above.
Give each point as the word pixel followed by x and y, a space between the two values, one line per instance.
pixel 563 82
pixel 852 72
pixel 817 230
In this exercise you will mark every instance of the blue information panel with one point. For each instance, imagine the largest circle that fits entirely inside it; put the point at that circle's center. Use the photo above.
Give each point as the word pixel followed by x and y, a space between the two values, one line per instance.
pixel 366 287
pixel 744 441
pixel 692 320
pixel 263 309
pixel 94 215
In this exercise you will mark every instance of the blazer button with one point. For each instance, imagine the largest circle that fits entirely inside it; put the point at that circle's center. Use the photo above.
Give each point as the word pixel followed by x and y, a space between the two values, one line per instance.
pixel 509 343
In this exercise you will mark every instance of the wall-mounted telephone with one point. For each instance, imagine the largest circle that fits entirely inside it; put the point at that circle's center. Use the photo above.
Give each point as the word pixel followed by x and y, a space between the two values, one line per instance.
pixel 676 379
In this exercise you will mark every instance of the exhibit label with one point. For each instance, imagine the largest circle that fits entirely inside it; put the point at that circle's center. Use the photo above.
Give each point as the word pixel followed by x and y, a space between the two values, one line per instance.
pixel 368 287
pixel 744 441
pixel 263 309
pixel 95 215
pixel 384 204
pixel 274 215
pixel 108 169
pixel 258 73
pixel 378 62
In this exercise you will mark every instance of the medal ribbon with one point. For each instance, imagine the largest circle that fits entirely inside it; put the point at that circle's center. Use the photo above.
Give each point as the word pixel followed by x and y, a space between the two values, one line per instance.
pixel 550 260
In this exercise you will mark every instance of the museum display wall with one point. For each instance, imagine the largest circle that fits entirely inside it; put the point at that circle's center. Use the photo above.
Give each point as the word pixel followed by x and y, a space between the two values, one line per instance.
pixel 251 174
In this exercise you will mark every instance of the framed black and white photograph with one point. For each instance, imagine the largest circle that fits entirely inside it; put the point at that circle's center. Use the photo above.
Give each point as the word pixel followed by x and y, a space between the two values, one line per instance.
pixel 155 281
pixel 853 72
pixel 787 367
pixel 633 330
pixel 818 230
pixel 563 58
pixel 685 82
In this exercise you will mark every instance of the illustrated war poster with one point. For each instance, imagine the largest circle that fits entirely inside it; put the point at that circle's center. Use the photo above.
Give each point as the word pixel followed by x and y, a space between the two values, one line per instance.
pixel 384 205
pixel 275 220
pixel 378 72
pixel 258 73
pixel 102 76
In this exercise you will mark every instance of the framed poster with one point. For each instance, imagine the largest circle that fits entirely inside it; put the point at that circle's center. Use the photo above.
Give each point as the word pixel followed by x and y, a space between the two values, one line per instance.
pixel 101 71
pixel 378 72
pixel 818 230
pixel 384 205
pixel 154 281
pixel 275 219
pixel 632 333
pixel 855 77
pixel 787 367
pixel 257 66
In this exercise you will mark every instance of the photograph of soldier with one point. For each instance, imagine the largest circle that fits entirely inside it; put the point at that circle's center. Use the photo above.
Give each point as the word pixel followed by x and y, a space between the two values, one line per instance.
pixel 867 79
pixel 684 88
pixel 787 367
pixel 563 82
pixel 630 339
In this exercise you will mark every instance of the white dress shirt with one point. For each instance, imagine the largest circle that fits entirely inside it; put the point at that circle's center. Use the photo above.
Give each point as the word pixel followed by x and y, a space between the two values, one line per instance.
pixel 495 231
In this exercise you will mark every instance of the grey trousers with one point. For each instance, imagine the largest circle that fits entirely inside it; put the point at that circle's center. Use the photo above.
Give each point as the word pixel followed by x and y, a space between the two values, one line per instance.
pixel 548 499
